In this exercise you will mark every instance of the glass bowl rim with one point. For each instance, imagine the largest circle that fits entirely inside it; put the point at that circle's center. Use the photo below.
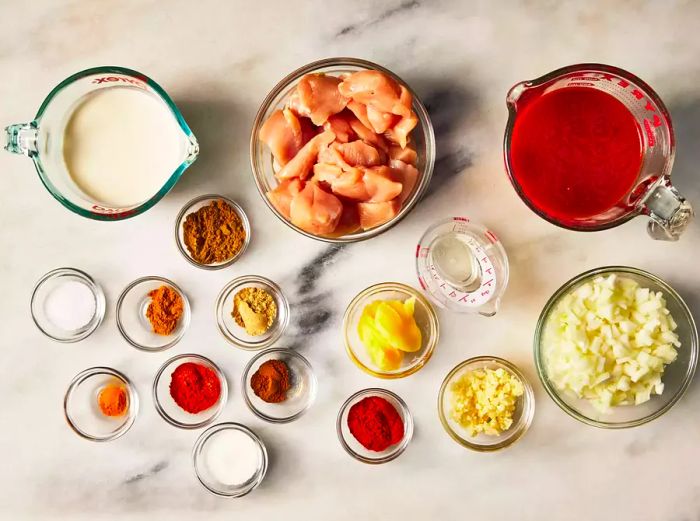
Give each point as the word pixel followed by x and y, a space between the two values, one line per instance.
pixel 187 313
pixel 182 214
pixel 312 380
pixel 528 404
pixel 408 425
pixel 95 288
pixel 132 412
pixel 564 289
pixel 425 124
pixel 223 398
pixel 208 433
pixel 219 310
pixel 432 317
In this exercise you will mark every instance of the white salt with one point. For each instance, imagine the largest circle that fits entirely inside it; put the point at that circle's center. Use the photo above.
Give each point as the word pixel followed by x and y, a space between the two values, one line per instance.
pixel 69 305
pixel 232 457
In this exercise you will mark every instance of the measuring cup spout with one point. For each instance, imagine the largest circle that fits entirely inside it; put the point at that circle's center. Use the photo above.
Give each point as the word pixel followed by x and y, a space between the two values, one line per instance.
pixel 21 138
pixel 515 92
pixel 191 149
pixel 669 212
pixel 490 308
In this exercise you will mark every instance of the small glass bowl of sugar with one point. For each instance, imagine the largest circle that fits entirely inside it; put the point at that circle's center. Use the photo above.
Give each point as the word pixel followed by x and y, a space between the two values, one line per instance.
pixel 67 305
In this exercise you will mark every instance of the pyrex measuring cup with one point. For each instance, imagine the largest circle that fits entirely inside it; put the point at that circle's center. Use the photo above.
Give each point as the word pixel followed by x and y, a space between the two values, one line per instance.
pixel 42 139
pixel 652 193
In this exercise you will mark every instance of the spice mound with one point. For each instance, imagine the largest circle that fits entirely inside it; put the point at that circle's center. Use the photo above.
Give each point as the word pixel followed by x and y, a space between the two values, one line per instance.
pixel 195 387
pixel 484 400
pixel 255 310
pixel 214 233
pixel 112 400
pixel 271 381
pixel 375 423
pixel 165 310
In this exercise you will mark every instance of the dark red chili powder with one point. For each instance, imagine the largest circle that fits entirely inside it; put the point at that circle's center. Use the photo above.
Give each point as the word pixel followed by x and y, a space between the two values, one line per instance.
pixel 375 423
pixel 195 387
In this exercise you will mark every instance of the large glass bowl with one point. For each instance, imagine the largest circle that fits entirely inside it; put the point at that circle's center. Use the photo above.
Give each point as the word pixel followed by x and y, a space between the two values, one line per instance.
pixel 677 375
pixel 262 161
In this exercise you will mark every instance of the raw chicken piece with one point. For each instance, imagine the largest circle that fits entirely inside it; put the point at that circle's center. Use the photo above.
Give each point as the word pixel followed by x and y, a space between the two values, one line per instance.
pixel 376 89
pixel 381 184
pixel 315 210
pixel 319 97
pixel 399 134
pixel 367 135
pixel 407 174
pixel 407 155
pixel 326 173
pixel 359 153
pixel 300 166
pixel 360 111
pixel 374 214
pixel 340 125
pixel 282 195
pixel 350 184
pixel 380 122
pixel 331 155
pixel 349 220
pixel 285 134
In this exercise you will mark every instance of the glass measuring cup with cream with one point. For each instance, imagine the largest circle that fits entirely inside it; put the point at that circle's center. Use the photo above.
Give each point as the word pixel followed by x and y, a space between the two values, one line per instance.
pixel 107 142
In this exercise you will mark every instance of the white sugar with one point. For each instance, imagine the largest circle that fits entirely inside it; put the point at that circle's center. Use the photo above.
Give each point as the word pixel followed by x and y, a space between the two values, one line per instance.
pixel 70 305
pixel 232 457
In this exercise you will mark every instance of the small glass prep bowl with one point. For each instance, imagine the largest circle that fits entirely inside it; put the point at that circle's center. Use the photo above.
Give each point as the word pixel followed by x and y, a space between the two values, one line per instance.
pixel 43 289
pixel 522 417
pixel 82 411
pixel 425 318
pixel 207 478
pixel 237 335
pixel 166 406
pixel 133 323
pixel 300 396
pixel 262 161
pixel 194 205
pixel 676 377
pixel 354 447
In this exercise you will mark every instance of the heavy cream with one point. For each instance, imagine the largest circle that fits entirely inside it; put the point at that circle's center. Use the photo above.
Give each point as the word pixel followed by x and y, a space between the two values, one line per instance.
pixel 120 146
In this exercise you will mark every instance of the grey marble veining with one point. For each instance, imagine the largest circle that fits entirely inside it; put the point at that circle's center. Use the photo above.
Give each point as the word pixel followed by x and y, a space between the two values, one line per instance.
pixel 218 60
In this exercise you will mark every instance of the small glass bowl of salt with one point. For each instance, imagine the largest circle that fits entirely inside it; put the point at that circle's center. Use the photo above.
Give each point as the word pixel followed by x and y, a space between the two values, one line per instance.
pixel 67 305
pixel 230 460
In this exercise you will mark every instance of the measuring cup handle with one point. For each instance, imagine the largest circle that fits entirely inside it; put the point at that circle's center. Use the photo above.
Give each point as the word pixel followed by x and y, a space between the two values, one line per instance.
pixel 21 139
pixel 668 210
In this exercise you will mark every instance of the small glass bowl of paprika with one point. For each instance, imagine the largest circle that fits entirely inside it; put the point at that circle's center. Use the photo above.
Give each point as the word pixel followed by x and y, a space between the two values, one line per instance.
pixel 374 426
pixel 189 391
pixel 153 313
pixel 279 396
pixel 207 208
pixel 94 415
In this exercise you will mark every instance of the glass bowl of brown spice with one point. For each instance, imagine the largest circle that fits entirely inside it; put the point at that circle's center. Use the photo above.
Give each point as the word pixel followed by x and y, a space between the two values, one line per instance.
pixel 153 313
pixel 252 312
pixel 212 232
pixel 279 385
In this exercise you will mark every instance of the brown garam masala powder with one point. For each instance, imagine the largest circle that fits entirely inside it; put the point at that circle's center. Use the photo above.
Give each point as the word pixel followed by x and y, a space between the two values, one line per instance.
pixel 214 233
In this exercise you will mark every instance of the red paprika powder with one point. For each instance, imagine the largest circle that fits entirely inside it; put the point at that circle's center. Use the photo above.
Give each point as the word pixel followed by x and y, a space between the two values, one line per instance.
pixel 375 423
pixel 195 387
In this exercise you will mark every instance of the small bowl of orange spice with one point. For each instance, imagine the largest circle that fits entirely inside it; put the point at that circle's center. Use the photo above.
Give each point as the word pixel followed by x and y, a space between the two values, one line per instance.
pixel 279 385
pixel 101 404
pixel 153 313
pixel 212 232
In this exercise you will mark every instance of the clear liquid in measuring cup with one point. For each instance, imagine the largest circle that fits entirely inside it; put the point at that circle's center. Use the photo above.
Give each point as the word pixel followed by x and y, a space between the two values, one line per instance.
pixel 462 266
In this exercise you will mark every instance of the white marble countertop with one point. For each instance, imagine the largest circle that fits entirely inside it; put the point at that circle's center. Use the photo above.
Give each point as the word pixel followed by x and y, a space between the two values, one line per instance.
pixel 218 60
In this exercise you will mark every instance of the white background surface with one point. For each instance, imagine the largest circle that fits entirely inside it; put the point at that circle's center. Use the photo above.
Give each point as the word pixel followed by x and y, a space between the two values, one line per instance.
pixel 218 60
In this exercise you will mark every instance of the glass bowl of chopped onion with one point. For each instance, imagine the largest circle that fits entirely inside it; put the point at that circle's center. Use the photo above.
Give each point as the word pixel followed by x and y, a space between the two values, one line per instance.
pixel 486 404
pixel 616 347
pixel 264 166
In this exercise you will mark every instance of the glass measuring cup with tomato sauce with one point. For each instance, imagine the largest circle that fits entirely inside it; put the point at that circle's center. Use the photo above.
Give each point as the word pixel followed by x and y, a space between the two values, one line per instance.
pixel 590 146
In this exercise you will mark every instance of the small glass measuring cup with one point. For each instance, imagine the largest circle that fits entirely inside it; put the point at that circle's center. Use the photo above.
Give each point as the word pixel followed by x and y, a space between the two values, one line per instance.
pixel 652 193
pixel 42 139
pixel 462 266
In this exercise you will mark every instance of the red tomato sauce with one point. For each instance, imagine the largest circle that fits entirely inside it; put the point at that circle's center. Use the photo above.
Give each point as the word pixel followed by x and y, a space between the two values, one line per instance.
pixel 575 152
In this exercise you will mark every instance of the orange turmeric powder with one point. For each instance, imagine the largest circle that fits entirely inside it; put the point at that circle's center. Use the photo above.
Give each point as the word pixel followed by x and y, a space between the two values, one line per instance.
pixel 112 400
pixel 165 310
pixel 214 233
